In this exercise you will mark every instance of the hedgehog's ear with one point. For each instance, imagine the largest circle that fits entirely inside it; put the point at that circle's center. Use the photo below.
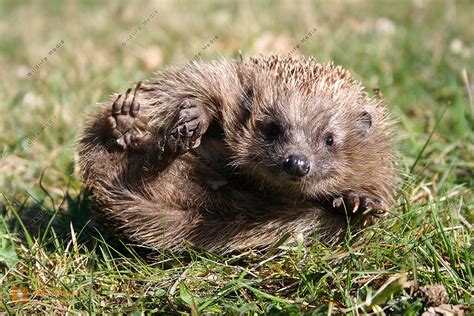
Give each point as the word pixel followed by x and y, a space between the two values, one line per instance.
pixel 364 123
pixel 247 93
pixel 247 103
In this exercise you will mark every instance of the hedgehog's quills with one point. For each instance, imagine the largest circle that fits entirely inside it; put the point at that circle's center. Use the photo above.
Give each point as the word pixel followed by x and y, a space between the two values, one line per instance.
pixel 234 154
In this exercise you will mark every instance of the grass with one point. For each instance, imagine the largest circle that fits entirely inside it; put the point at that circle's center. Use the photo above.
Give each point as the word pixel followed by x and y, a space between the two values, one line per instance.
pixel 416 52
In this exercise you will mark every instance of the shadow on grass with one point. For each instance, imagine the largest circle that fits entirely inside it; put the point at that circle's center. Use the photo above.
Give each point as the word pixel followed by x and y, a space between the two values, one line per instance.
pixel 54 229
pixel 73 220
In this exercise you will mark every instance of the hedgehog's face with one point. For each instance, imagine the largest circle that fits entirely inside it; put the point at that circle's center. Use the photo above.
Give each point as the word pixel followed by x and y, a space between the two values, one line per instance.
pixel 301 144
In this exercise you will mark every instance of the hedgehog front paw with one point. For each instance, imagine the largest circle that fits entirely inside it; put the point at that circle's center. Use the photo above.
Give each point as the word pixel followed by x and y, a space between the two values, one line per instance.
pixel 124 124
pixel 363 203
pixel 192 123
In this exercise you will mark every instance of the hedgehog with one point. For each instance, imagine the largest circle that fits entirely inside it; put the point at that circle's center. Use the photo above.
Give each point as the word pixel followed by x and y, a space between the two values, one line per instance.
pixel 230 155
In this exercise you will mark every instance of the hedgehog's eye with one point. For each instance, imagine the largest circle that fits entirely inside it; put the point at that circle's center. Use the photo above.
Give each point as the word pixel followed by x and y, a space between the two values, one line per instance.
pixel 329 140
pixel 269 128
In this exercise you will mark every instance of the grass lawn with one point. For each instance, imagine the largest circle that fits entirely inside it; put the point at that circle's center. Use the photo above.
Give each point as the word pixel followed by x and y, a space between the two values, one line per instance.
pixel 59 58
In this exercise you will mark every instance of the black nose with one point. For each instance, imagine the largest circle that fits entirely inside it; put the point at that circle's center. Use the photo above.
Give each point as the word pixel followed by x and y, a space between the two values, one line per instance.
pixel 297 165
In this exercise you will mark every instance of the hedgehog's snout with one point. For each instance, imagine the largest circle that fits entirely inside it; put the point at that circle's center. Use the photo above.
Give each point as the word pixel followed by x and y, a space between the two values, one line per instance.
pixel 297 165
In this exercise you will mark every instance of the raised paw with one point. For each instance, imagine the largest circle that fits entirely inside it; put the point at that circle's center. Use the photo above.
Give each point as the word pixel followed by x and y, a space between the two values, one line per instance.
pixel 191 124
pixel 123 123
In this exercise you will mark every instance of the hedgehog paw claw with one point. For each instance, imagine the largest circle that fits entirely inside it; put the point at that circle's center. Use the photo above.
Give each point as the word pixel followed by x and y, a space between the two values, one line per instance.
pixel 191 124
pixel 361 202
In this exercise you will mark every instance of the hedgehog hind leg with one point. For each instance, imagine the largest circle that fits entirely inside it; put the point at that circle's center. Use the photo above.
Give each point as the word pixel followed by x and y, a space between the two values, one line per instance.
pixel 126 128
pixel 129 131
pixel 192 122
